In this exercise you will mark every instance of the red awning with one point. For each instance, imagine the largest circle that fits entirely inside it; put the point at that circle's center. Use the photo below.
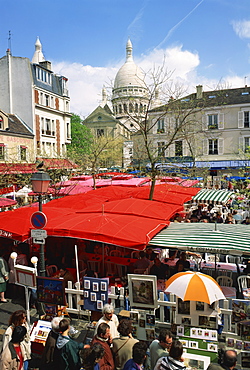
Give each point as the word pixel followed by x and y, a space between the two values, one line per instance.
pixel 16 168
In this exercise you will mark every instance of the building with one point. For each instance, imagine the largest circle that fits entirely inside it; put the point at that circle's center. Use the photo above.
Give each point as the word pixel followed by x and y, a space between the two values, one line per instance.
pixel 39 97
pixel 215 135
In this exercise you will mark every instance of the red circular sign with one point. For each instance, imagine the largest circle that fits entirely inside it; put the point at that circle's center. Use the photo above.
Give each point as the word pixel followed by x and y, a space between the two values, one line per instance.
pixel 38 220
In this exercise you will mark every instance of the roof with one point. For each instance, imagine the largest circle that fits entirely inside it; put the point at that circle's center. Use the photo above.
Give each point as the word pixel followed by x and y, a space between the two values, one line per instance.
pixel 203 237
pixel 17 126
pixel 213 195
pixel 58 163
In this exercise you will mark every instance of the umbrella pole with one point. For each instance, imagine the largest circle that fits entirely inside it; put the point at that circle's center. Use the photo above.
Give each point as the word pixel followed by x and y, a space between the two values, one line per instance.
pixel 77 264
pixel 215 265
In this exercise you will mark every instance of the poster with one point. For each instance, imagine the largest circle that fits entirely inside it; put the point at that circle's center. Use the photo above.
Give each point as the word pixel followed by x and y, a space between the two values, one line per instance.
pixel 95 293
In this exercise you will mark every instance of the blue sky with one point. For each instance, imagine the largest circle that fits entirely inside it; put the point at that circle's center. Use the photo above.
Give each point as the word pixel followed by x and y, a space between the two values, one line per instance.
pixel 203 41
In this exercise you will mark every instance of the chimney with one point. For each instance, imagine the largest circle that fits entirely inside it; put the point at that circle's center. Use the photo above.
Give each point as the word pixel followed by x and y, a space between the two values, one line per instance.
pixel 46 64
pixel 199 92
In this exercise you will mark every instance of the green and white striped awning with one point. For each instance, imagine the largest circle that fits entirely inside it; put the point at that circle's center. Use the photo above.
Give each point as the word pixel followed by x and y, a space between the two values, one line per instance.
pixel 230 239
pixel 213 195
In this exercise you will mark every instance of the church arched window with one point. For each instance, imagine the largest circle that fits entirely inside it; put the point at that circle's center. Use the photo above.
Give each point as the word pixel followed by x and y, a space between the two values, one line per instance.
pixel 120 108
pixel 130 107
pixel 136 108
pixel 125 108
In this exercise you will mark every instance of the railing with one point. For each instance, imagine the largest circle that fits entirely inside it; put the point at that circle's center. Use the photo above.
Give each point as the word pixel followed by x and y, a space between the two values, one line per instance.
pixel 76 295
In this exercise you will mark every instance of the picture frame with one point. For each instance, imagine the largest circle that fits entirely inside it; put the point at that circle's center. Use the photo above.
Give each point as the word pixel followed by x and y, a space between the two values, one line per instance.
pixel 230 342
pixel 95 287
pixel 203 321
pixel 150 334
pixel 103 297
pixel 238 344
pixel 185 343
pixel 196 362
pixel 86 284
pixel 142 323
pixel 86 294
pixel 99 304
pixel 103 286
pixel 246 346
pixel 200 306
pixel 51 290
pixel 212 347
pixel 193 344
pixel 150 320
pixel 186 320
pixel 142 291
pixel 180 331
pixel 183 307
pixel 51 309
pixel 134 317
pixel 93 297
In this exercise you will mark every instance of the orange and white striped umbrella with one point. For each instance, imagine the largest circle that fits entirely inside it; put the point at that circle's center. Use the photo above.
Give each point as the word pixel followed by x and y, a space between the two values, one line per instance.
pixel 194 286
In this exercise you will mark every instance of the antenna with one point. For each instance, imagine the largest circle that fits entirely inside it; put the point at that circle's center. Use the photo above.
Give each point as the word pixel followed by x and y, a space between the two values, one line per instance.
pixel 9 41
pixel 245 81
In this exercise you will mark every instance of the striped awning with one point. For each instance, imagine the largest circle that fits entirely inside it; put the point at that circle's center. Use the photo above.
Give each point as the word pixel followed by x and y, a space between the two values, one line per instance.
pixel 213 195
pixel 231 239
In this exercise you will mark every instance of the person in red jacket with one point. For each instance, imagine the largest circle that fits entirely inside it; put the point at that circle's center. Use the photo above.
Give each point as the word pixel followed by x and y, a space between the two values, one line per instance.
pixel 103 337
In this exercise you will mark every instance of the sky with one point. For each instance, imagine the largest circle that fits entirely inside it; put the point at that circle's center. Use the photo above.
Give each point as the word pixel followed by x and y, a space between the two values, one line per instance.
pixel 203 42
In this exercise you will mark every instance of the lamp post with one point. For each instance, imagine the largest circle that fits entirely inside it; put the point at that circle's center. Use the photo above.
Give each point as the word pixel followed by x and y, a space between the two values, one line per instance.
pixel 40 183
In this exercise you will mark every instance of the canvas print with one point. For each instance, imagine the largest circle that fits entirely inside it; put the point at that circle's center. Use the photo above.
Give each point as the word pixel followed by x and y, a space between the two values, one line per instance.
pixel 103 286
pixel 142 323
pixel 86 284
pixel 193 344
pixel 150 334
pixel 134 316
pixel 51 291
pixel 142 291
pixel 186 320
pixel 199 306
pixel 180 330
pixel 247 346
pixel 95 287
pixel 212 347
pixel 150 320
pixel 86 294
pixel 183 307
pixel 93 297
pixel 238 344
pixel 230 342
pixel 99 305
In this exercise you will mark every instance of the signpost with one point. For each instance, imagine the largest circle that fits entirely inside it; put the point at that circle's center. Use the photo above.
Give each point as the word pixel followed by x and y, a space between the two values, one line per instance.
pixel 39 220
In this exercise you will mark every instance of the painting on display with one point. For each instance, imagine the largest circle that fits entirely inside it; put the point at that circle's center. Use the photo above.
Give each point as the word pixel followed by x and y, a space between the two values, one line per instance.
pixel 95 293
pixel 50 290
pixel 241 310
pixel 142 291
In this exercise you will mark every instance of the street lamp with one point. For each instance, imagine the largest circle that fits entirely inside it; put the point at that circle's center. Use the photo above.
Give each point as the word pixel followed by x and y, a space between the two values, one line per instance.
pixel 40 183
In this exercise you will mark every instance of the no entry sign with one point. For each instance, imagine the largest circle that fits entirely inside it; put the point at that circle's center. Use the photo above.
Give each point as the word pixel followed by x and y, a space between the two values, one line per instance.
pixel 38 220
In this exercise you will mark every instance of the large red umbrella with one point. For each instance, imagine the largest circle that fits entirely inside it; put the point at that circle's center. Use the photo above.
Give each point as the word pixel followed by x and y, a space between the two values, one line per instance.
pixel 5 202
pixel 75 189
pixel 16 224
pixel 136 207
pixel 124 230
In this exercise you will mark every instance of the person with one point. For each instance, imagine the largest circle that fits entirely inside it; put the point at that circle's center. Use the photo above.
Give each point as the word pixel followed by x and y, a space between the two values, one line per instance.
pixel 66 275
pixel 229 360
pixel 174 361
pixel 68 348
pixel 122 346
pixel 138 357
pixel 103 337
pixel 49 359
pixel 246 221
pixel 109 318
pixel 143 262
pixel 13 357
pixel 18 318
pixel 91 357
pixel 4 276
pixel 160 347
pixel 161 270
pixel 182 264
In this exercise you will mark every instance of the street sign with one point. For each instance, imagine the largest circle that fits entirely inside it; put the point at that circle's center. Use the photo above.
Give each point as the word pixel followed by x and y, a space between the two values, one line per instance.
pixel 38 241
pixel 38 220
pixel 38 233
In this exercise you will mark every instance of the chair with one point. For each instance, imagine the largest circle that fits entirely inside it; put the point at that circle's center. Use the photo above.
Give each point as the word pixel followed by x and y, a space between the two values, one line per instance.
pixel 224 272
pixel 224 280
pixel 51 270
pixel 115 253
pixel 135 254
pixel 243 282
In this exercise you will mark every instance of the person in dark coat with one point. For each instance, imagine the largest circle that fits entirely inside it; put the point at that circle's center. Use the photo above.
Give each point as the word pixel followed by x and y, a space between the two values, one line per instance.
pixel 50 355
pixel 138 357
pixel 68 348
pixel 229 360
pixel 103 337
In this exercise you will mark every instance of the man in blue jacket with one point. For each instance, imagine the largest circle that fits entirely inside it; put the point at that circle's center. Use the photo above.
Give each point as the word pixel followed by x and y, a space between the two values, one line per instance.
pixel 68 348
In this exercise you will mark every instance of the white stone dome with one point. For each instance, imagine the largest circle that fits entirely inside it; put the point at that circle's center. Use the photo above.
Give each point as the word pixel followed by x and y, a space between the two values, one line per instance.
pixel 129 74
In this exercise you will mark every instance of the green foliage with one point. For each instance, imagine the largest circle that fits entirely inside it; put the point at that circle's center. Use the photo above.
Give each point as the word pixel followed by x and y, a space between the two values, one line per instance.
pixel 81 140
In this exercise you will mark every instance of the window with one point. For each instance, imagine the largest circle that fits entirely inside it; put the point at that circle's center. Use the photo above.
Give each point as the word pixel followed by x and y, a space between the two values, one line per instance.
pixel 161 149
pixel 43 75
pixel 23 153
pixel 160 126
pixel 100 132
pixel 213 146
pixel 178 148
pixel 47 100
pixel 213 121
pixel 1 123
pixel 125 108
pixel 2 151
pixel 246 119
pixel 130 108
pixel 136 108
pixel 246 144
pixel 120 108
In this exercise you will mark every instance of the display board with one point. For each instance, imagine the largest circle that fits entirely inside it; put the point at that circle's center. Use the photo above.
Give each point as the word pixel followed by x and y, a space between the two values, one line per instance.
pixel 25 276
pixel 95 293
pixel 143 325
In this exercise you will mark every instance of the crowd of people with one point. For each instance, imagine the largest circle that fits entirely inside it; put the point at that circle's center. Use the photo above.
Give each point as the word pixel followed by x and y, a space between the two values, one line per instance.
pixel 112 347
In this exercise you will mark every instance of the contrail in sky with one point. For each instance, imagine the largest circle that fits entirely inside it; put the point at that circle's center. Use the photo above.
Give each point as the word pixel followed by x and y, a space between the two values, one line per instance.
pixel 177 25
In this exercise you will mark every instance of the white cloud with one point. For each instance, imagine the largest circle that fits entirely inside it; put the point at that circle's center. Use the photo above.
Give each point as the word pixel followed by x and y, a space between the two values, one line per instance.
pixel 86 82
pixel 242 28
